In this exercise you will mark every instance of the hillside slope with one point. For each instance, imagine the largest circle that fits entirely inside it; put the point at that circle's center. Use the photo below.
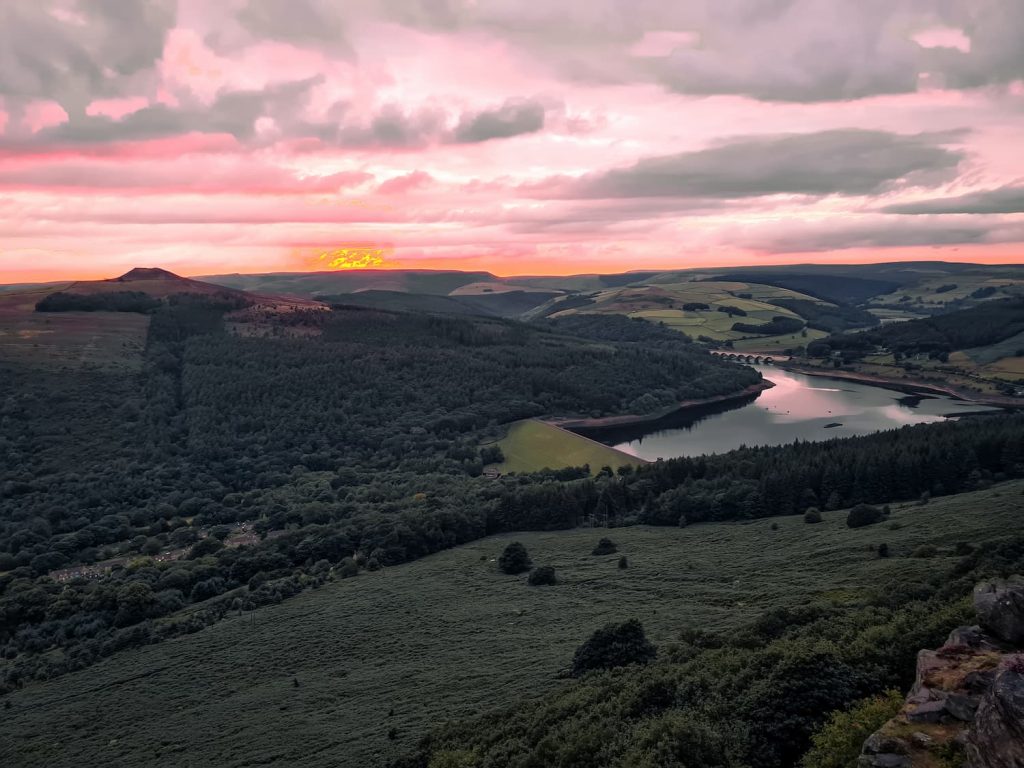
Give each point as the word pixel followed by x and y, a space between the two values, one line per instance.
pixel 329 677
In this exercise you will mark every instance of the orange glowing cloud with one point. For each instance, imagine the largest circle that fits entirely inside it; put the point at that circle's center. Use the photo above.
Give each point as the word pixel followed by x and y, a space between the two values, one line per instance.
pixel 354 256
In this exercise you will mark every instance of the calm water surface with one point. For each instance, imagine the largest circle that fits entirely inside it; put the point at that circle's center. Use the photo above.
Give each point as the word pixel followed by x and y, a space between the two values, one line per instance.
pixel 798 407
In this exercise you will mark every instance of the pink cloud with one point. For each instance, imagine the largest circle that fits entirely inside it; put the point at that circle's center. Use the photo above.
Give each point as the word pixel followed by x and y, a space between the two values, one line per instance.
pixel 116 108
pixel 38 115
pixel 365 148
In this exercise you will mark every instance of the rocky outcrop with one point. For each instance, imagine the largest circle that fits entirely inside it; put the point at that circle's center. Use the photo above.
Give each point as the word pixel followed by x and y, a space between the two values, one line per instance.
pixel 996 739
pixel 1000 609
pixel 966 706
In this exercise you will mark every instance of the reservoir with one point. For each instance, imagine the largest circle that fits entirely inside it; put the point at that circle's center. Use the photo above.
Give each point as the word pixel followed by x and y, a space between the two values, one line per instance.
pixel 798 407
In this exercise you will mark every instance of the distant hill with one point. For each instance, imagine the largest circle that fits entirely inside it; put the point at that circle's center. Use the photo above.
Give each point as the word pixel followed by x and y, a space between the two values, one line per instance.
pixel 316 284
pixel 985 324
pixel 152 281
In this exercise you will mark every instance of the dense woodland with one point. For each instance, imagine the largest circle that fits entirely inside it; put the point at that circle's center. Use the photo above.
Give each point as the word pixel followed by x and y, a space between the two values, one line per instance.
pixel 351 440
pixel 358 448
pixel 936 336
pixel 753 698
pixel 831 318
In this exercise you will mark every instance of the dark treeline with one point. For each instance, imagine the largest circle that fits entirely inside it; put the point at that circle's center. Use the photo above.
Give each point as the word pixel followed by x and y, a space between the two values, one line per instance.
pixel 617 328
pixel 830 318
pixel 986 323
pixel 116 301
pixel 752 698
pixel 138 301
pixel 777 325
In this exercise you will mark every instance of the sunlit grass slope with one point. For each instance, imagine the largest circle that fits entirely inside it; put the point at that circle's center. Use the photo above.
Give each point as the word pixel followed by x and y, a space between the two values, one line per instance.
pixel 533 445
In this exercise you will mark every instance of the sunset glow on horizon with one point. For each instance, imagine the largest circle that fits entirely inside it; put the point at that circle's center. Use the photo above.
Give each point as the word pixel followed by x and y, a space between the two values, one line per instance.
pixel 508 137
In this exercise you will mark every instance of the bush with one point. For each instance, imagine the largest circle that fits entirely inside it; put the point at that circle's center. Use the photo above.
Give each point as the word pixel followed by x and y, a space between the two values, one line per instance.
pixel 204 547
pixel 347 568
pixel 623 563
pixel 812 515
pixel 837 744
pixel 514 559
pixel 925 551
pixel 614 645
pixel 883 550
pixel 605 547
pixel 863 514
pixel 542 576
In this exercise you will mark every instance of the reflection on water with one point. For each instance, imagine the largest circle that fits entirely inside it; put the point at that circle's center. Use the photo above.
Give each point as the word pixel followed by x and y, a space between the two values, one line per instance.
pixel 798 407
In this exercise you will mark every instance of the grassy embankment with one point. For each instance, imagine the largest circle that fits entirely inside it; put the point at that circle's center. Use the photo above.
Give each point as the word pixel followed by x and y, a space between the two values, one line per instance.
pixel 532 445
pixel 381 658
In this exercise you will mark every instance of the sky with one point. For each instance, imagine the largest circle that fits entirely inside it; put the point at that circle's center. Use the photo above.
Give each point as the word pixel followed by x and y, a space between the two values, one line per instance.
pixel 513 136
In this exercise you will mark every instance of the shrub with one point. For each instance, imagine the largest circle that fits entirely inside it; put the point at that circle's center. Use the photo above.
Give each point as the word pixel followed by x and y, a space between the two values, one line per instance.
pixel 925 551
pixel 863 514
pixel 614 645
pixel 812 515
pixel 514 559
pixel 883 550
pixel 204 547
pixel 542 576
pixel 347 568
pixel 775 526
pixel 623 563
pixel 605 547
pixel 838 742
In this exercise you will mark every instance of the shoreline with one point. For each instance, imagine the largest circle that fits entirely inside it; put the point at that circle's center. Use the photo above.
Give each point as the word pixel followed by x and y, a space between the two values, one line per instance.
pixel 908 386
pixel 628 420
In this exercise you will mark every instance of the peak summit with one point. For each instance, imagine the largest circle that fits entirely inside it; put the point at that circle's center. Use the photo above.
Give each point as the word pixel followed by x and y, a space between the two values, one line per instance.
pixel 147 273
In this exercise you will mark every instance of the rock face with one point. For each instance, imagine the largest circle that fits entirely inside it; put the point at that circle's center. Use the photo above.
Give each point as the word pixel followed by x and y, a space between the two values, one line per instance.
pixel 1000 609
pixel 997 738
pixel 967 702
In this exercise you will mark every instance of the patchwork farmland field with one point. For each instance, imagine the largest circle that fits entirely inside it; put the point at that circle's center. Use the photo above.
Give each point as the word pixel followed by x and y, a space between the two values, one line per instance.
pixel 351 674
pixel 664 303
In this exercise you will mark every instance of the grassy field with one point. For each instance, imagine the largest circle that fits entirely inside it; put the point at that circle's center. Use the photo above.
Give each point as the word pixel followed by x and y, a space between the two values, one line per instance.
pixel 533 445
pixel 662 303
pixel 106 339
pixel 449 635
pixel 924 291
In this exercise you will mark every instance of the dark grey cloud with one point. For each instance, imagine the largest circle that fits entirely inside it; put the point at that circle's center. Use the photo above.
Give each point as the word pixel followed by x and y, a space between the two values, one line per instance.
pixel 847 162
pixel 513 118
pixel 289 21
pixel 772 50
pixel 1003 200
pixel 390 127
pixel 232 112
pixel 882 233
pixel 237 112
pixel 74 53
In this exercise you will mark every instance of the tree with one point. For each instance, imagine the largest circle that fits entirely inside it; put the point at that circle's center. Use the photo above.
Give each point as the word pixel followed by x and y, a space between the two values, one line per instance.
pixel 614 645
pixel 623 563
pixel 542 576
pixel 514 559
pixel 812 515
pixel 883 550
pixel 863 514
pixel 605 547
